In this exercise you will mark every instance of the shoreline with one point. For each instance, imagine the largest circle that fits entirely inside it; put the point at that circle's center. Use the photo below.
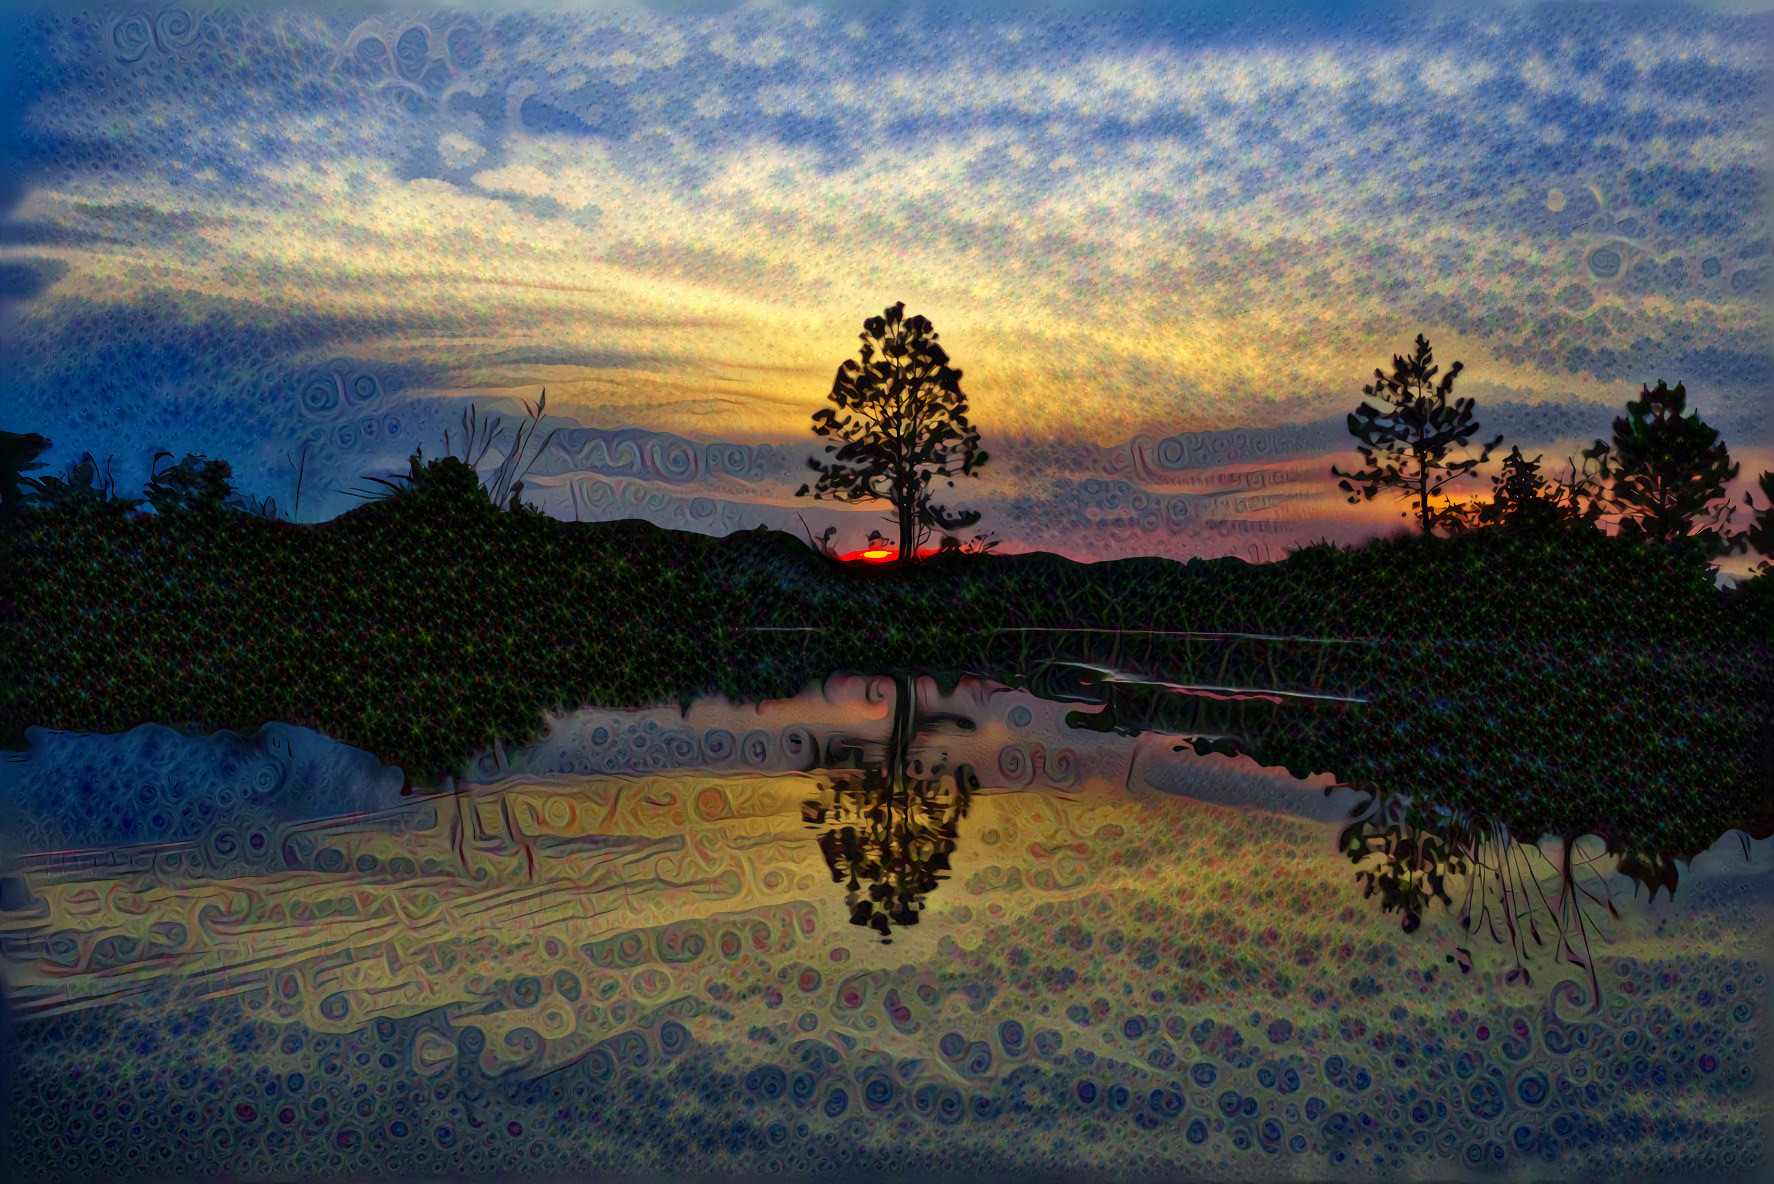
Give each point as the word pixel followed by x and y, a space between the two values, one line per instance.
pixel 361 628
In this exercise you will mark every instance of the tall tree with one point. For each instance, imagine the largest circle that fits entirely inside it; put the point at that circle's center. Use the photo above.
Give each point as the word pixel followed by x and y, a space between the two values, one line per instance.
pixel 903 422
pixel 1670 472
pixel 1406 447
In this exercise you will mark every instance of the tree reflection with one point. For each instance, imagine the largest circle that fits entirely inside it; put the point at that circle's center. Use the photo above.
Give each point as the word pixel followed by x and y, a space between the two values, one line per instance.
pixel 890 827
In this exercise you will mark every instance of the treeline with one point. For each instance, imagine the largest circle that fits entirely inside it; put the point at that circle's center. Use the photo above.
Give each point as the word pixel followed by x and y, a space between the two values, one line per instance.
pixel 1662 478
pixel 901 432
pixel 1569 683
pixel 1512 662
pixel 902 428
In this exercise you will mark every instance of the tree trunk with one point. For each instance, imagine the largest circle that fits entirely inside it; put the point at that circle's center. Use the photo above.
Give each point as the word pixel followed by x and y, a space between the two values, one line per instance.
pixel 1423 492
pixel 908 531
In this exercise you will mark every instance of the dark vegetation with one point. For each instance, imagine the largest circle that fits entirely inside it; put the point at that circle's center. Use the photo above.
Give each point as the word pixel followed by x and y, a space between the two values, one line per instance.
pixel 1523 673
pixel 1570 681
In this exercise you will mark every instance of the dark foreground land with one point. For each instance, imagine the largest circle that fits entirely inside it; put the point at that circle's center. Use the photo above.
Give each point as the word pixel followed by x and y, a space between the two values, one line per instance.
pixel 1562 682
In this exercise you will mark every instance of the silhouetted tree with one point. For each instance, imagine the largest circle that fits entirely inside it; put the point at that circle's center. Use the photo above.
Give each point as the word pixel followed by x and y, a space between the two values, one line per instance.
pixel 890 847
pixel 903 422
pixel 1583 496
pixel 1669 471
pixel 1406 448
pixel 195 485
pixel 889 832
pixel 1760 533
pixel 18 455
pixel 1521 498
pixel 442 479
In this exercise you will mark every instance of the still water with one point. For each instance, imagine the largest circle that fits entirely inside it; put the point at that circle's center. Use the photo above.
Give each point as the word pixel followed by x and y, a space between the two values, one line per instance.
pixel 873 929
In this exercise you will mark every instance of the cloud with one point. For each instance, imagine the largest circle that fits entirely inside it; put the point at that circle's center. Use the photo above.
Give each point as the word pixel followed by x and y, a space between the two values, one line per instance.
pixel 1123 225
pixel 26 279
pixel 458 151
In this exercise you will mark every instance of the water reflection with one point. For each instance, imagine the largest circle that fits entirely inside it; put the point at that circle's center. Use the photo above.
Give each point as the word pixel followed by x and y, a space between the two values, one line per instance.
pixel 1107 950
pixel 889 829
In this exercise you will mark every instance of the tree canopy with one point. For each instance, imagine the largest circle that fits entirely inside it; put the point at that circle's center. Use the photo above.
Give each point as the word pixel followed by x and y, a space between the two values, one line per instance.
pixel 1522 498
pixel 194 485
pixel 18 455
pixel 1406 448
pixel 1669 471
pixel 902 420
pixel 1760 533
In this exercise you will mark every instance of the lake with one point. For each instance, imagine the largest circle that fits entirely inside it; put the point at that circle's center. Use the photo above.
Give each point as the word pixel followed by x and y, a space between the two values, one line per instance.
pixel 836 933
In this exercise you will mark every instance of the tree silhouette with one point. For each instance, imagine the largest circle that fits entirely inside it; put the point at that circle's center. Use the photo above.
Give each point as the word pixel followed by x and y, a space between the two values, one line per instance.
pixel 195 485
pixel 1668 470
pixel 890 831
pixel 903 422
pixel 479 436
pixel 1760 534
pixel 1406 448
pixel 18 455
pixel 1522 499
pixel 1583 496
pixel 889 844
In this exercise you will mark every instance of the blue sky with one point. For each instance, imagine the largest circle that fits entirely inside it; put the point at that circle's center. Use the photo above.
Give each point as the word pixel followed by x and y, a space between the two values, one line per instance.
pixel 1165 244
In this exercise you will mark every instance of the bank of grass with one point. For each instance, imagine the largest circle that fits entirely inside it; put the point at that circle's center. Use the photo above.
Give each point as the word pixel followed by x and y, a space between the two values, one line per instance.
pixel 1564 683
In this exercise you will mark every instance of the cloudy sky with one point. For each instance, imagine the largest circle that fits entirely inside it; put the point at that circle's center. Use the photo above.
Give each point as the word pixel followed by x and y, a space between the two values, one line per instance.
pixel 1164 244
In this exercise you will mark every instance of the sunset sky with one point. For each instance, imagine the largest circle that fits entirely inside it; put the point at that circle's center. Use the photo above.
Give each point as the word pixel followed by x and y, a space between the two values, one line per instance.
pixel 1166 245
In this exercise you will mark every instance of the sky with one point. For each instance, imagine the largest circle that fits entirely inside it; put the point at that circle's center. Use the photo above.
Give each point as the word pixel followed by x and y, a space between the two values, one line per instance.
pixel 1165 244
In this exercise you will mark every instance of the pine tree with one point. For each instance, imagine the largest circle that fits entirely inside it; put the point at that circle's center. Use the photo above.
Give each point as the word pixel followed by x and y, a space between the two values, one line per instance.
pixel 1413 439
pixel 1669 471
